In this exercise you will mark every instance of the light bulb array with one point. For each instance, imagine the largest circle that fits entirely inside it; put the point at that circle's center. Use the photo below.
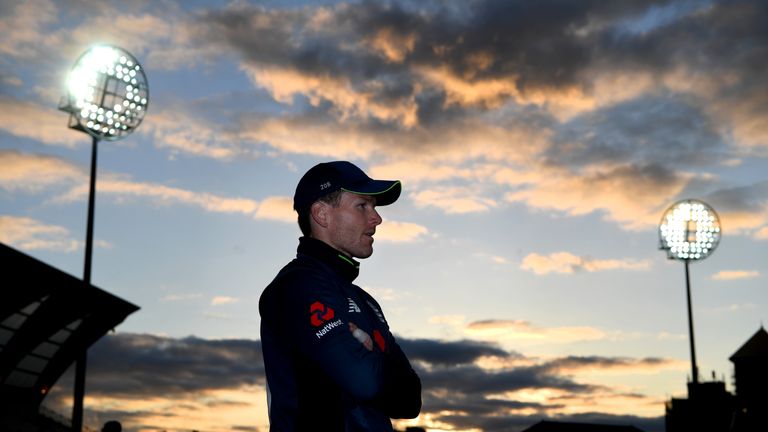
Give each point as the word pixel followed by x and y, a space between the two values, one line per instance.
pixel 689 230
pixel 108 92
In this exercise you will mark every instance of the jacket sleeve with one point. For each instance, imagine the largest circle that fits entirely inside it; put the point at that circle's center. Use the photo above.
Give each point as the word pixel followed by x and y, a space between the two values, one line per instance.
pixel 317 319
pixel 401 395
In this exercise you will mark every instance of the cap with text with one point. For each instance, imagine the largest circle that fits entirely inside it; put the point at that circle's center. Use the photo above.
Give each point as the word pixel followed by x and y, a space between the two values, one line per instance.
pixel 328 177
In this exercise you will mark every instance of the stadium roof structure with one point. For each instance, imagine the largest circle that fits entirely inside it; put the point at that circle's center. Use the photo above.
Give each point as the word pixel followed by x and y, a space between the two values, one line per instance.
pixel 47 319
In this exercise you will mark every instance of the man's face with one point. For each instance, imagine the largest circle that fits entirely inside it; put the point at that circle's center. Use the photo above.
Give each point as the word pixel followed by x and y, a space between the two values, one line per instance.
pixel 352 224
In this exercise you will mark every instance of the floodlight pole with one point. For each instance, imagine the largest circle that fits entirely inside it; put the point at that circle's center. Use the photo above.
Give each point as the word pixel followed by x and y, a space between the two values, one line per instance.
pixel 80 366
pixel 694 369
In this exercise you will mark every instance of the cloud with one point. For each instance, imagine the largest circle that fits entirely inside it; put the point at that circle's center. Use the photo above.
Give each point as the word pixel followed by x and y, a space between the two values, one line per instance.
pixel 284 84
pixel 26 119
pixel 184 133
pixel 181 297
pixel 24 26
pixel 524 331
pixel 453 200
pixel 168 195
pixel 622 127
pixel 567 263
pixel 279 209
pixel 580 363
pixel 735 274
pixel 30 234
pixel 35 172
pixel 742 208
pixel 159 382
pixel 762 233
pixel 448 353
pixel 400 232
pixel 151 381
pixel 222 300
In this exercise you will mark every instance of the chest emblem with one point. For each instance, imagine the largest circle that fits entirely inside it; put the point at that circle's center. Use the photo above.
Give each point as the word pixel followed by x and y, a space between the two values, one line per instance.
pixel 320 313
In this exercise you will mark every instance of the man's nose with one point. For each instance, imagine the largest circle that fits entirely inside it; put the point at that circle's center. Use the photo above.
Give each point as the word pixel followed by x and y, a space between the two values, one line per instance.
pixel 375 217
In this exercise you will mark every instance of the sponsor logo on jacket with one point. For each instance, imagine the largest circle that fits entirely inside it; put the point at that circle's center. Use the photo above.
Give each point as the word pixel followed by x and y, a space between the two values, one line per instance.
pixel 326 328
pixel 319 314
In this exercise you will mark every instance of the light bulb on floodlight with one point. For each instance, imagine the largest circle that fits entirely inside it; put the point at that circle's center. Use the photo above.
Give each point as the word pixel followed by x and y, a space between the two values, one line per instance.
pixel 689 230
pixel 107 83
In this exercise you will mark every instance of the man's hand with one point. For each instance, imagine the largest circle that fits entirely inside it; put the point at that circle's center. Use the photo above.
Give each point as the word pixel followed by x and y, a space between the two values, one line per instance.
pixel 361 336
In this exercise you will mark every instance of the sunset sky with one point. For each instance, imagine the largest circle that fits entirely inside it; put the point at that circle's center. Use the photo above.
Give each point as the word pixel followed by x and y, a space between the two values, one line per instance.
pixel 538 142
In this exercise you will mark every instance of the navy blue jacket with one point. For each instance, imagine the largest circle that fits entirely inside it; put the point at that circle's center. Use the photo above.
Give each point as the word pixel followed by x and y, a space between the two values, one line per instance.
pixel 319 377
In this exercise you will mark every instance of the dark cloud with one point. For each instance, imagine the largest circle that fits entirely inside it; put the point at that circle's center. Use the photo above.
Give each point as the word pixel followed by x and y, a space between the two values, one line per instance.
pixel 470 379
pixel 750 198
pixel 544 46
pixel 139 366
pixel 134 365
pixel 577 362
pixel 714 37
pixel 449 353
pixel 664 129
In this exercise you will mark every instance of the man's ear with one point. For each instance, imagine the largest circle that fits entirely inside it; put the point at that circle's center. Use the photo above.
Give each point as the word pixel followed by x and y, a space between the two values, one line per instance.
pixel 319 213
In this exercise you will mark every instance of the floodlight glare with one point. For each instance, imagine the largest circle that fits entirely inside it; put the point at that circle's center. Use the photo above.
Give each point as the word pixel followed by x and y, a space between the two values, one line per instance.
pixel 689 230
pixel 107 93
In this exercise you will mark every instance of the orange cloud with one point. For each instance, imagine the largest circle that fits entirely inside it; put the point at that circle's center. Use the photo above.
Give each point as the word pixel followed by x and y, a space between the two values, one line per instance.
pixel 565 262
pixel 165 195
pixel 183 133
pixel 400 232
pixel 30 172
pixel 762 233
pixel 453 200
pixel 631 196
pixel 284 84
pixel 391 45
pixel 490 93
pixel 279 209
pixel 222 300
pixel 47 125
pixel 242 408
pixel 524 331
pixel 735 274
pixel 30 234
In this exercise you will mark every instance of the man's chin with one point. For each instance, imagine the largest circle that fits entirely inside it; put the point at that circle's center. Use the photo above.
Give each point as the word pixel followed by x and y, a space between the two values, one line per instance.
pixel 363 254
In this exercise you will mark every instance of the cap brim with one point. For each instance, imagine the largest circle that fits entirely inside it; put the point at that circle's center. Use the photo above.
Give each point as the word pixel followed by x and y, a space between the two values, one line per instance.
pixel 385 191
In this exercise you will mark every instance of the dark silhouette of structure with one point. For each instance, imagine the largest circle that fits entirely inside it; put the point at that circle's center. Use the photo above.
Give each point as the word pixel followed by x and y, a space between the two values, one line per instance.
pixel 710 407
pixel 551 426
pixel 48 318
pixel 751 375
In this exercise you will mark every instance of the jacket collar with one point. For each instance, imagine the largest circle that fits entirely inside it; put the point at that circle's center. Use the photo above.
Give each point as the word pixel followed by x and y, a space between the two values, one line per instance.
pixel 343 265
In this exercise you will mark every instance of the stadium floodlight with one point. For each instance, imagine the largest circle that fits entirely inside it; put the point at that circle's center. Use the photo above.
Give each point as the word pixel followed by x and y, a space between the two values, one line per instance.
pixel 689 231
pixel 107 97
pixel 107 93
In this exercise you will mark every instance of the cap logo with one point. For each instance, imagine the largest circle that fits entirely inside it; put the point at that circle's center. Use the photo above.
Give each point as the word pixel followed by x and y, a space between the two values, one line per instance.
pixel 325 185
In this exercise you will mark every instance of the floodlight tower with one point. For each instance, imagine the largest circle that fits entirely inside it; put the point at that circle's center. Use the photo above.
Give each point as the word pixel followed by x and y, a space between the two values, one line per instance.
pixel 689 231
pixel 107 97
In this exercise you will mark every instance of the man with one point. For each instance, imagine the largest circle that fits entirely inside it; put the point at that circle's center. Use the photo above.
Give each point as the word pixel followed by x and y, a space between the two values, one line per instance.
pixel 331 362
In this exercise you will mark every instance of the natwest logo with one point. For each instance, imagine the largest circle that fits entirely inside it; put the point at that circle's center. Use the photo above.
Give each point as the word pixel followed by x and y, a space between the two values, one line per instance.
pixel 319 313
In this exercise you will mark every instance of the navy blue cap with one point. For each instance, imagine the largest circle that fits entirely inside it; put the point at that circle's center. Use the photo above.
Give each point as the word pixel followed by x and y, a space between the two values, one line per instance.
pixel 328 177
